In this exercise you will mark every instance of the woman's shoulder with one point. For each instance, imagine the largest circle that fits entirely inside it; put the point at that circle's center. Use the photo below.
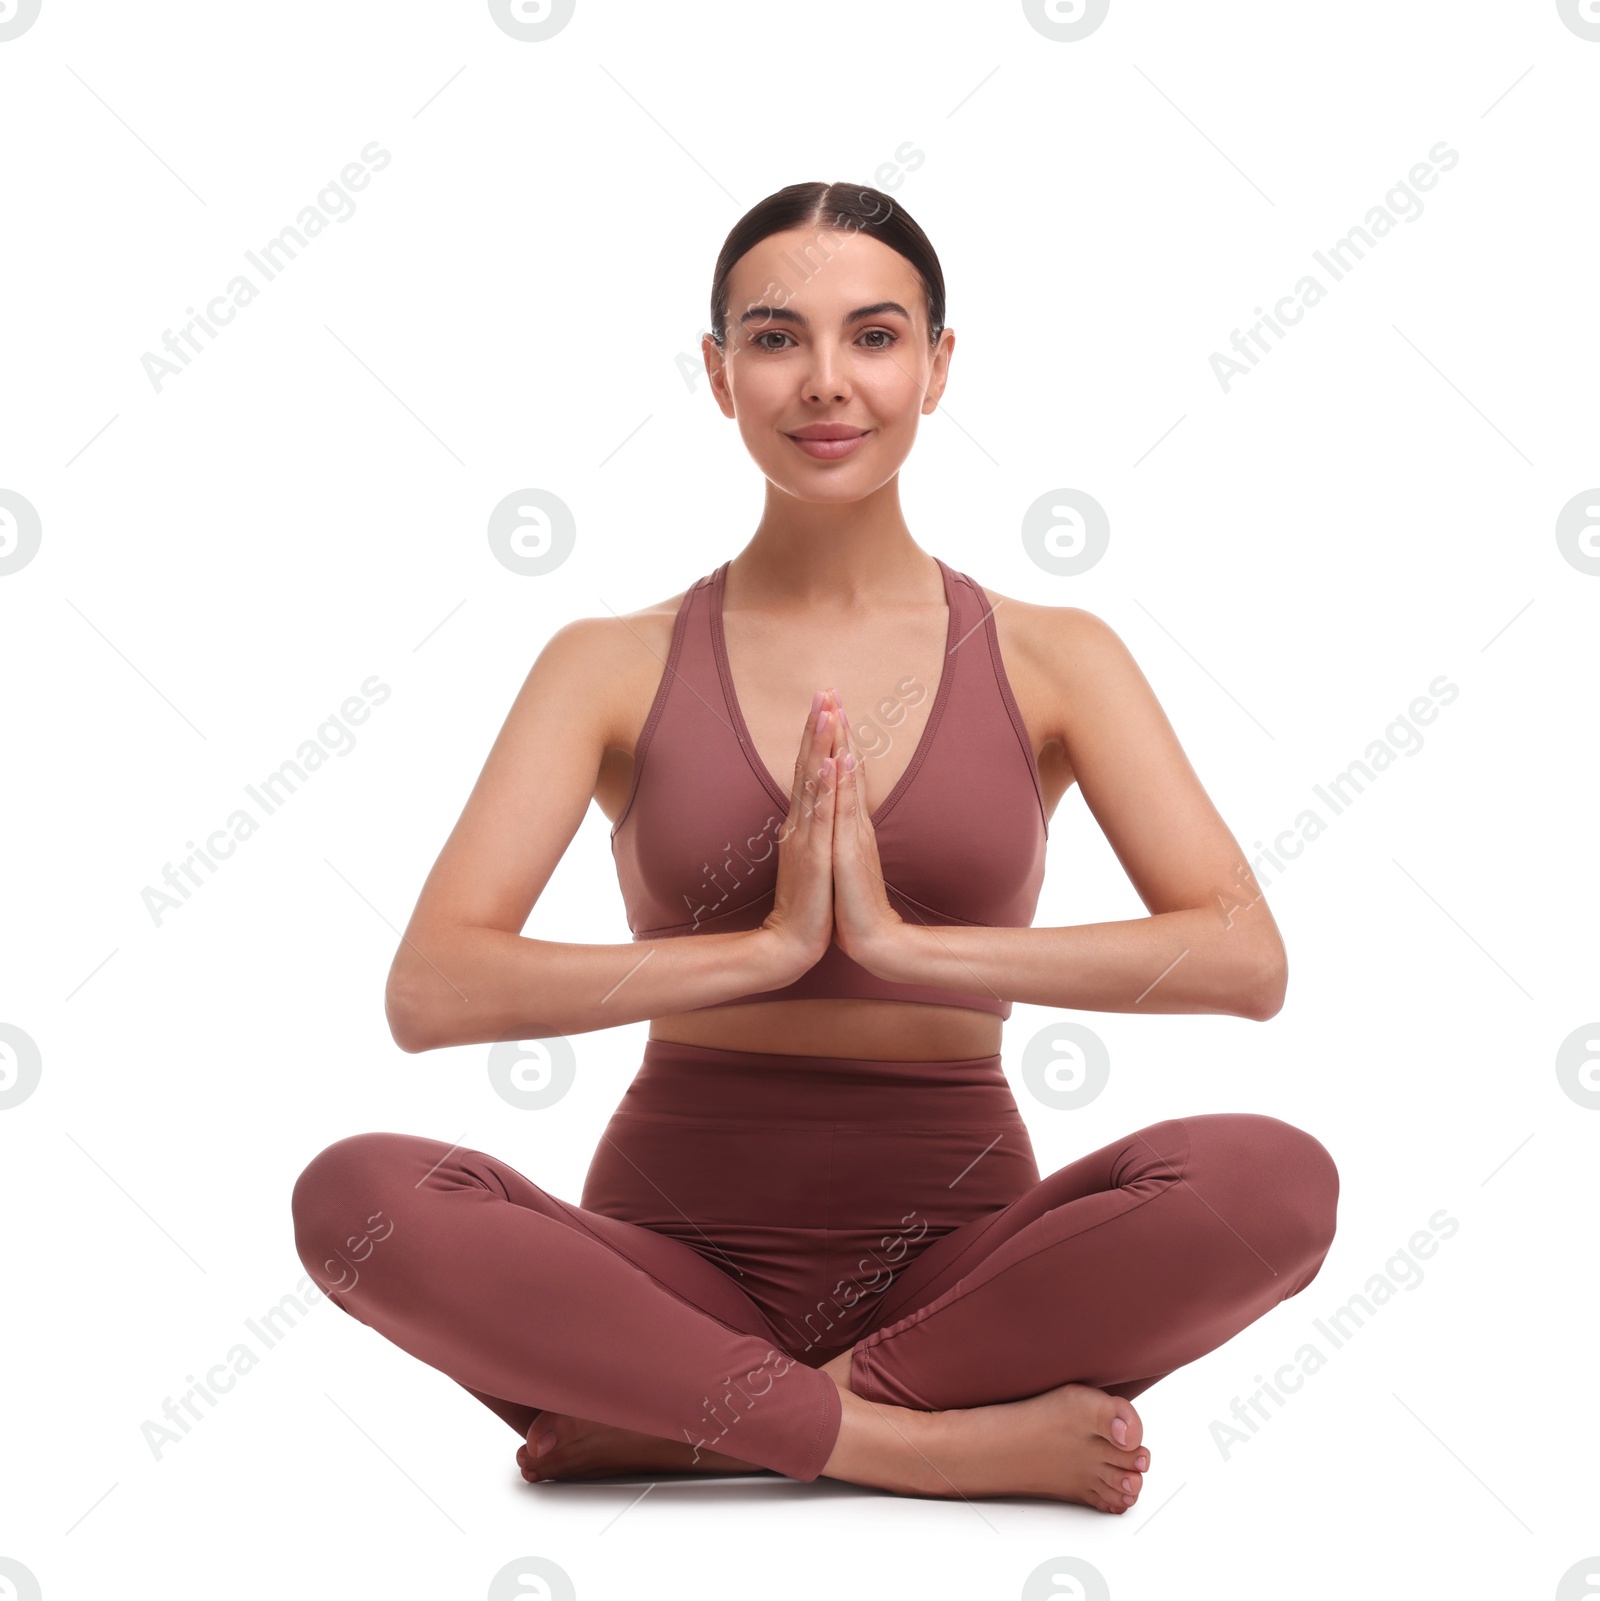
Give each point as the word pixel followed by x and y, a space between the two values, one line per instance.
pixel 1058 660
pixel 615 659
pixel 612 636
pixel 1042 632
pixel 609 634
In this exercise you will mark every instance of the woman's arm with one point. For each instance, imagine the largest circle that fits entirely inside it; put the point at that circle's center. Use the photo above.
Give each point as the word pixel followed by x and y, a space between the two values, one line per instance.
pixel 464 974
pixel 1210 943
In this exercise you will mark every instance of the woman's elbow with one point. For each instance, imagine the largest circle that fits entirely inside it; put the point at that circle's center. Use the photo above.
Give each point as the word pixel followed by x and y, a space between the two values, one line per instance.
pixel 404 1027
pixel 410 1024
pixel 1269 981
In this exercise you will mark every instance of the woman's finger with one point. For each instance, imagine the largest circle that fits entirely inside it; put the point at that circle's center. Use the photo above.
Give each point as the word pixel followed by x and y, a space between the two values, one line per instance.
pixel 805 762
pixel 848 767
pixel 849 737
pixel 823 733
pixel 827 792
pixel 849 755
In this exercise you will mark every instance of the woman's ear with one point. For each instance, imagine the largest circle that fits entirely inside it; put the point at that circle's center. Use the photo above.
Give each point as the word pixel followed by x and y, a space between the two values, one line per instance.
pixel 940 375
pixel 716 361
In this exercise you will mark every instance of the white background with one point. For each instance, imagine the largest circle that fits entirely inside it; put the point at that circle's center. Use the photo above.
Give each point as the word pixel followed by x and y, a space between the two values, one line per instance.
pixel 1292 563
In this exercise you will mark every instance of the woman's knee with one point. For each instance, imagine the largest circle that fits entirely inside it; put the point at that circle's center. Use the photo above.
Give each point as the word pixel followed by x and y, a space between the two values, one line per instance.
pixel 1306 1180
pixel 347 1194
pixel 1289 1172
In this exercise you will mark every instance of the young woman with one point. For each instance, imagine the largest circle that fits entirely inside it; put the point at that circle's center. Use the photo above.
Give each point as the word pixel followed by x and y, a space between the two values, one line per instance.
pixel 814 1239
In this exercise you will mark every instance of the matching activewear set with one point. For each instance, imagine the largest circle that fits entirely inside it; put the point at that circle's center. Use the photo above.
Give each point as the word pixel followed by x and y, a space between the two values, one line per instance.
pixel 747 1215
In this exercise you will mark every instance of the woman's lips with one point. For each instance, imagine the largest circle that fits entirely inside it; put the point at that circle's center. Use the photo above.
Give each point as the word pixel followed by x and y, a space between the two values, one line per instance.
pixel 828 449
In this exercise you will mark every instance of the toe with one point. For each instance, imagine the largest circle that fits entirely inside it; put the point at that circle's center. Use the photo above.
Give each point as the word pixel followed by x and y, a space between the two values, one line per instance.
pixel 1104 1497
pixel 1121 1424
pixel 555 1432
pixel 1115 1484
pixel 547 1429
pixel 1118 1494
pixel 1123 1486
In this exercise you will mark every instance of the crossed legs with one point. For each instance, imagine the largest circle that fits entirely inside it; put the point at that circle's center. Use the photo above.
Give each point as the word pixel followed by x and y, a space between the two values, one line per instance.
pixel 1004 1358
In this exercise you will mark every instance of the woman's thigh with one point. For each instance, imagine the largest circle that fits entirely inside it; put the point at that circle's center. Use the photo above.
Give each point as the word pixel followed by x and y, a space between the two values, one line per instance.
pixel 1113 1270
pixel 465 1262
pixel 406 1177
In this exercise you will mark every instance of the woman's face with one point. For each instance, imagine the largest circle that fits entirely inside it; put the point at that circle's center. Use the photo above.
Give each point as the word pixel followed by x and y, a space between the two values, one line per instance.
pixel 827 327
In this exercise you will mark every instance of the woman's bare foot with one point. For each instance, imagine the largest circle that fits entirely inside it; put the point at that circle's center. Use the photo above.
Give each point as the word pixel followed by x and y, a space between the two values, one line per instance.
pixel 1073 1443
pixel 588 1450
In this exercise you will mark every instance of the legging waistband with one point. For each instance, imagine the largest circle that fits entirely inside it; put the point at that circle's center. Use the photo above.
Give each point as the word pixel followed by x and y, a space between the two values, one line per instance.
pixel 702 1083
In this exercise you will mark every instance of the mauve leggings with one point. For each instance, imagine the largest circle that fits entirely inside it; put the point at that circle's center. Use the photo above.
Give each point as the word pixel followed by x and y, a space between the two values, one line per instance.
pixel 747 1216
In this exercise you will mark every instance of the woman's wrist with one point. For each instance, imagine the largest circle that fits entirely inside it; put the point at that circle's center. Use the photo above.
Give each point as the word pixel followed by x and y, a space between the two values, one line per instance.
pixel 890 953
pixel 775 960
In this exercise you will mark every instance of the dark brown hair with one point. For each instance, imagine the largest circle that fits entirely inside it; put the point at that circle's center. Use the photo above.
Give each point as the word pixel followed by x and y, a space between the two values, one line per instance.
pixel 841 207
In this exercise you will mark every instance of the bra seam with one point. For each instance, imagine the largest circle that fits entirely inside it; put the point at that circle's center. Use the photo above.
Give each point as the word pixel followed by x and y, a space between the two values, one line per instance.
pixel 667 929
pixel 941 697
pixel 951 917
pixel 658 703
pixel 1003 683
pixel 730 699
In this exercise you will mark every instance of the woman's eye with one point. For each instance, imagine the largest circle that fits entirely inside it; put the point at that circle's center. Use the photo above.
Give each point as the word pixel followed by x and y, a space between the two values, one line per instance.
pixel 885 335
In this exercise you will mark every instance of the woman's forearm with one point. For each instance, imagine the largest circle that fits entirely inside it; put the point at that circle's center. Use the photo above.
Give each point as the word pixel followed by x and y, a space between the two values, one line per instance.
pixel 1194 960
pixel 470 986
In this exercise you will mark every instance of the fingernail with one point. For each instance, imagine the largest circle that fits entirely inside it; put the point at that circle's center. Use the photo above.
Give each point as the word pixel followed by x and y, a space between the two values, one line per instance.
pixel 816 701
pixel 822 718
pixel 849 761
pixel 545 1442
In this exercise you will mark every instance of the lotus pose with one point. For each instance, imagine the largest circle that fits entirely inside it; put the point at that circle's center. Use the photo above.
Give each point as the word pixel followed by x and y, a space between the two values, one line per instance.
pixel 813 1239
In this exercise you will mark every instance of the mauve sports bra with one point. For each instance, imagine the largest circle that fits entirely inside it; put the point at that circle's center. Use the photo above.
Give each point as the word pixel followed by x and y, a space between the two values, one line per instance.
pixel 961 836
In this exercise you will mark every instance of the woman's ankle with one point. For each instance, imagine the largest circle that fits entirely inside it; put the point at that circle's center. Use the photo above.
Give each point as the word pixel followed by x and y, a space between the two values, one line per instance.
pixel 888 1447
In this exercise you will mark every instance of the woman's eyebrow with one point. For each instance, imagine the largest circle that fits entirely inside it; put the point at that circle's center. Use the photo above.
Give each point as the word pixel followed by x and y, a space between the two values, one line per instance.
pixel 785 314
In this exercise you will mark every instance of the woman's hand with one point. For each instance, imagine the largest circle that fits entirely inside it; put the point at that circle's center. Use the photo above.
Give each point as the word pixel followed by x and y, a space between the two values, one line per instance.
pixel 865 924
pixel 802 905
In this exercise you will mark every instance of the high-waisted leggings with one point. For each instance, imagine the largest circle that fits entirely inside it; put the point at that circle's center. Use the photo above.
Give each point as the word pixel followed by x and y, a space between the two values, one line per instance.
pixel 748 1216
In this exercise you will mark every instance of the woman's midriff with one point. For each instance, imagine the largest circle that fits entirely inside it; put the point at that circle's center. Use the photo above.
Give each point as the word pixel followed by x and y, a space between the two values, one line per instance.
pixel 898 1031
